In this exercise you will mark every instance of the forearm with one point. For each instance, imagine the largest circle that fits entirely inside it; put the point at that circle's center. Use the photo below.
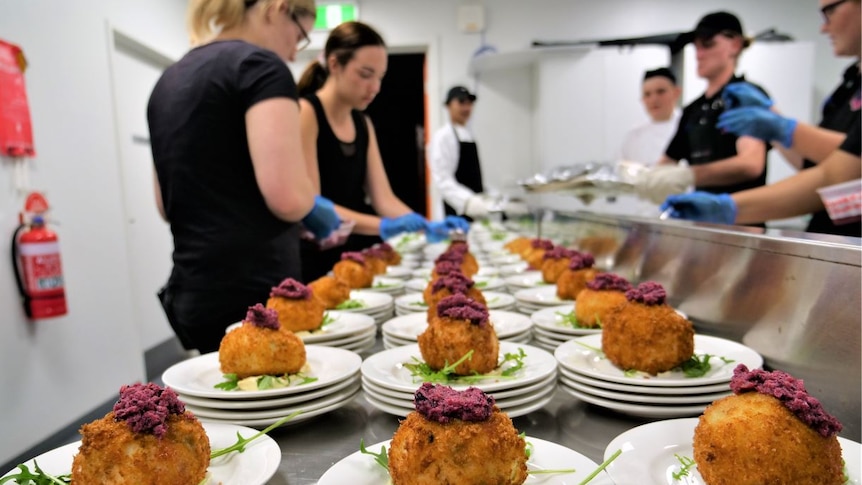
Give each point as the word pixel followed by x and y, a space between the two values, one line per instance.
pixel 790 197
pixel 725 172
pixel 392 207
pixel 815 143
pixel 792 158
pixel 366 224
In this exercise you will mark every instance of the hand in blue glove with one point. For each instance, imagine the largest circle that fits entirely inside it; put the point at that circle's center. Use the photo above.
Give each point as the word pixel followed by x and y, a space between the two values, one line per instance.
pixel 702 206
pixel 457 222
pixel 411 222
pixel 759 123
pixel 322 219
pixel 738 95
pixel 436 231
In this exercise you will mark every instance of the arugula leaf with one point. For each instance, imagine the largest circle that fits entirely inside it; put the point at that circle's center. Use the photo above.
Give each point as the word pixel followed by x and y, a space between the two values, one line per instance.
pixel 427 374
pixel 419 303
pixel 422 371
pixel 572 320
pixel 696 366
pixel 37 477
pixel 597 350
pixel 686 463
pixel 350 304
pixel 327 319
pixel 601 467
pixel 230 383
pixel 381 284
pixel 381 458
pixel 239 446
pixel 518 359
pixel 480 284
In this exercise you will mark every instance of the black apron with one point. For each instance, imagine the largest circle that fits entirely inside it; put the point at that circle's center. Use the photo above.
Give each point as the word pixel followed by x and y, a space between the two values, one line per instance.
pixel 469 172
pixel 840 111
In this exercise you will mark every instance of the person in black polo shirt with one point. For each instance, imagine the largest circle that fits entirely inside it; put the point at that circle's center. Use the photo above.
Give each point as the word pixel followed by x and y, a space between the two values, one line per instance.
pixel 718 162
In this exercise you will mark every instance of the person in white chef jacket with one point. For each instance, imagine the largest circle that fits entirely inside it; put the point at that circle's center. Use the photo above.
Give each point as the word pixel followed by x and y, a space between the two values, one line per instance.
pixel 660 94
pixel 454 159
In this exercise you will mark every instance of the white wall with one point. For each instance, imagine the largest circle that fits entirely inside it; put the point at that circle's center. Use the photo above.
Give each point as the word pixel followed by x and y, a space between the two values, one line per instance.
pixel 57 370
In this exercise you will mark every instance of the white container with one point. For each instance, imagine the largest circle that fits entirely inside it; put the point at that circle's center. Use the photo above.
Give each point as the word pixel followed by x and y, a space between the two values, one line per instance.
pixel 843 201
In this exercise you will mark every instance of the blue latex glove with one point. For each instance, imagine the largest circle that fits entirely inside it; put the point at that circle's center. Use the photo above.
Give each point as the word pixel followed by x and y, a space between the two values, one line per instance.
pixel 759 123
pixel 457 222
pixel 436 231
pixel 411 222
pixel 738 95
pixel 322 219
pixel 701 206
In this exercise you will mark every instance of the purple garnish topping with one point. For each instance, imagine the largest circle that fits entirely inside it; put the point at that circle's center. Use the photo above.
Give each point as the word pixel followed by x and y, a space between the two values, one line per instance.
pixel 539 243
pixel 461 307
pixel 559 252
pixel 443 404
pixel 292 289
pixel 581 261
pixel 648 293
pixel 260 316
pixel 146 408
pixel 353 256
pixel 455 282
pixel 609 281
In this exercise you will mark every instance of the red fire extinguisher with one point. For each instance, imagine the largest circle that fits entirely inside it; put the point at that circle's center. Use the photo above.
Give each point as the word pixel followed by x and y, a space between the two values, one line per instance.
pixel 38 272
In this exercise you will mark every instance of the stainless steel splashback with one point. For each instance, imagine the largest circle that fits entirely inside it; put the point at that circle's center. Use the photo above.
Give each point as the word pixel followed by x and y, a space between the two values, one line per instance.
pixel 793 297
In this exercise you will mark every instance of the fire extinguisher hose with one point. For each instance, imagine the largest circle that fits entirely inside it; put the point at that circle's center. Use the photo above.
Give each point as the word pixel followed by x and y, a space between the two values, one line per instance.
pixel 25 299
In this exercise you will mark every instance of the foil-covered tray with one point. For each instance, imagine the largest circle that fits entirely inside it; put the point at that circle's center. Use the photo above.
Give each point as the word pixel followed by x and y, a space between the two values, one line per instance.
pixel 587 178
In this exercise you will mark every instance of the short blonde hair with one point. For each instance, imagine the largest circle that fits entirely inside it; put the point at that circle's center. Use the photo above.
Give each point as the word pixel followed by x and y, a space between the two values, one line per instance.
pixel 206 18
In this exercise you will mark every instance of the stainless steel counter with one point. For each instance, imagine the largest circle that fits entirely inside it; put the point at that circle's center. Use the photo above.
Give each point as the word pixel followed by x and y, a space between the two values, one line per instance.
pixel 308 449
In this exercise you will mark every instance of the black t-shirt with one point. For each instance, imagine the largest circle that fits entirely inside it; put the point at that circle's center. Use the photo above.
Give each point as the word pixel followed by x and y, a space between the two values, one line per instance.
pixel 840 113
pixel 224 234
pixel 698 141
pixel 851 143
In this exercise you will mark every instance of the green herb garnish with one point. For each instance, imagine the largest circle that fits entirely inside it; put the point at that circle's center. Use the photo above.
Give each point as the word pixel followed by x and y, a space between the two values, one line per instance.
pixel 37 477
pixel 381 458
pixel 381 284
pixel 569 319
pixel 630 372
pixel 231 382
pixel 601 467
pixel 422 371
pixel 686 463
pixel 350 304
pixel 518 360
pixel 481 284
pixel 419 303
pixel 327 319
pixel 239 446
pixel 594 349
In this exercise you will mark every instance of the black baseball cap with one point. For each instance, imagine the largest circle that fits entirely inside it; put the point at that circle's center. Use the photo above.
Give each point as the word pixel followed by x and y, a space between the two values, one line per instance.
pixel 712 24
pixel 460 93
pixel 660 72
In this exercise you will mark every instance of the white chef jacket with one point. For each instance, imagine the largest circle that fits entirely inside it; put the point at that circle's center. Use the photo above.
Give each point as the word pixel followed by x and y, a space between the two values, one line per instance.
pixel 646 143
pixel 443 154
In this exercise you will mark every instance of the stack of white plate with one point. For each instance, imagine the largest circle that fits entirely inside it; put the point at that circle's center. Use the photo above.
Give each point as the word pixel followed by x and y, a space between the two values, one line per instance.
pixel 408 243
pixel 424 272
pixel 513 268
pixel 403 330
pixel 345 330
pixel 390 387
pixel 530 300
pixel 384 284
pixel 586 374
pixel 400 271
pixel 336 382
pixel 551 328
pixel 375 304
pixel 527 279
pixel 483 283
pixel 415 302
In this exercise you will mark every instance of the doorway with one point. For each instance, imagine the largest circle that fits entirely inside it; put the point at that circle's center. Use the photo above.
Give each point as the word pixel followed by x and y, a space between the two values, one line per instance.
pixel 399 117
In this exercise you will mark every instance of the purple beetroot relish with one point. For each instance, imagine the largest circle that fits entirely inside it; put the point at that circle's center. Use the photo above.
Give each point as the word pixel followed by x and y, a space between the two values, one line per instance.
pixel 461 307
pixel 792 394
pixel 446 267
pixel 291 289
pixel 147 407
pixel 609 282
pixel 443 404
pixel 648 293
pixel 262 317
pixel 373 253
pixel 455 282
pixel 459 247
pixel 385 247
pixel 581 261
pixel 354 256
pixel 451 256
pixel 559 252
pixel 539 243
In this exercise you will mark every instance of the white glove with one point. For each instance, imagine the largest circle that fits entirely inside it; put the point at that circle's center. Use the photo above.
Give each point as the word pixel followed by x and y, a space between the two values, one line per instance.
pixel 476 207
pixel 516 208
pixel 664 180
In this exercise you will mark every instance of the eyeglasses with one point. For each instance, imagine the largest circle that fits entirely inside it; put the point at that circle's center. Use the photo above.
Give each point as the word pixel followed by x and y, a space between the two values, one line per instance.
pixel 829 10
pixel 305 41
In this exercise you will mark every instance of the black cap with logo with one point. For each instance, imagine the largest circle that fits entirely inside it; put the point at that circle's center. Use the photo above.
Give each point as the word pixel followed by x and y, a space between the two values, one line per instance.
pixel 460 93
pixel 712 24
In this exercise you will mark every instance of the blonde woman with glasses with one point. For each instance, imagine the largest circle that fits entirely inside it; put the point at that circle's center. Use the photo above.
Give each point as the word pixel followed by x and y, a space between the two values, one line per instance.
pixel 231 178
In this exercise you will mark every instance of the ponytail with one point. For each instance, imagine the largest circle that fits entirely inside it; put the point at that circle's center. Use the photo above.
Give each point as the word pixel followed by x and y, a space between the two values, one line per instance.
pixel 206 18
pixel 312 78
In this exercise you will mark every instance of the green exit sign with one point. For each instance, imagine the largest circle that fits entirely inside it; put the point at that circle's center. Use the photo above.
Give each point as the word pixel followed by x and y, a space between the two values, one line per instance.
pixel 330 15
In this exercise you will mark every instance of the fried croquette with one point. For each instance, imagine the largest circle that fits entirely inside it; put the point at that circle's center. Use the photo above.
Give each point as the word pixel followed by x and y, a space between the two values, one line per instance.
pixel 554 262
pixel 353 270
pixel 296 307
pixel 374 260
pixel 646 334
pixel 517 245
pixel 449 285
pixel 604 295
pixel 576 276
pixel 458 259
pixel 457 446
pixel 260 346
pixel 390 255
pixel 461 325
pixel 469 265
pixel 753 439
pixel 536 252
pixel 443 268
pixel 330 291
pixel 147 439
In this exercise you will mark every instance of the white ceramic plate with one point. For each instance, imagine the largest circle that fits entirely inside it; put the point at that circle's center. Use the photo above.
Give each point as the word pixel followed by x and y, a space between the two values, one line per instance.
pixel 639 410
pixel 383 284
pixel 648 454
pixel 415 301
pixel 513 268
pixel 254 466
pixel 542 296
pixel 400 272
pixel 359 469
pixel 676 400
pixel 408 327
pixel 513 412
pixel 653 391
pixel 279 412
pixel 483 283
pixel 306 415
pixel 584 360
pixel 551 319
pixel 407 242
pixel 549 382
pixel 198 375
pixel 527 279
pixel 372 301
pixel 265 403
pixel 513 402
pixel 504 259
pixel 386 369
pixel 342 324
